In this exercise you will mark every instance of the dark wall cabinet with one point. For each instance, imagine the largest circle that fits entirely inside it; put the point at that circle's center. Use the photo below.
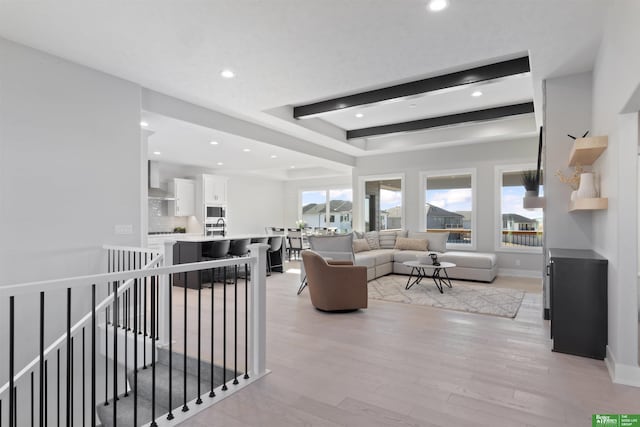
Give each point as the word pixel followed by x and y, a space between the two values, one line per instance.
pixel 578 280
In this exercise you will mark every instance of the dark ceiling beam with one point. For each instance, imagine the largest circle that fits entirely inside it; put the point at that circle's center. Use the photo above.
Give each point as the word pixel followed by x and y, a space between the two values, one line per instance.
pixel 452 119
pixel 459 78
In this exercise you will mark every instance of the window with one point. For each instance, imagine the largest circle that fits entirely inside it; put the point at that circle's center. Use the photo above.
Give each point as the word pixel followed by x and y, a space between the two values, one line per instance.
pixel 383 208
pixel 518 229
pixel 314 209
pixel 449 205
pixel 314 206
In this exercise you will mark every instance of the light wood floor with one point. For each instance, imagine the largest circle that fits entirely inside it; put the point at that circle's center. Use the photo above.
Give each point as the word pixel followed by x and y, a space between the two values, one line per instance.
pixel 405 365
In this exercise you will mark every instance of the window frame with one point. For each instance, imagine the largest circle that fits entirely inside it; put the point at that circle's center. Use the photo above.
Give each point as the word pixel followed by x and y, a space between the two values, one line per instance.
pixel 327 191
pixel 422 223
pixel 362 179
pixel 498 175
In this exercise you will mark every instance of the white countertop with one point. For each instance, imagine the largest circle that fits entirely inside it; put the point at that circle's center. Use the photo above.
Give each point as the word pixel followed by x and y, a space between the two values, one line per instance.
pixel 201 238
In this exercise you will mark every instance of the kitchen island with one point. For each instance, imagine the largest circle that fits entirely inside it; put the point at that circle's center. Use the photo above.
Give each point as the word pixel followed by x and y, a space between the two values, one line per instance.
pixel 192 248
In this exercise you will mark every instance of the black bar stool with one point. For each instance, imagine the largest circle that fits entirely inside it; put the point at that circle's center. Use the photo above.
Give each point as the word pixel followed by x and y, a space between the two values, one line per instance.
pixel 239 248
pixel 275 247
pixel 216 249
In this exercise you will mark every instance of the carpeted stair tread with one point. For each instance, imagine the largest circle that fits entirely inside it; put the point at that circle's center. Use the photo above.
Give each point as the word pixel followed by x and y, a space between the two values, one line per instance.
pixel 145 378
pixel 125 411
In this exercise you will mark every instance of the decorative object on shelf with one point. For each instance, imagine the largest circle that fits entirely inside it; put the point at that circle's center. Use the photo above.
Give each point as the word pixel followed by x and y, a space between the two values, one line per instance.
pixel 530 181
pixel 587 188
pixel 434 259
pixel 300 224
pixel 572 180
pixel 179 230
pixel 532 199
pixel 583 136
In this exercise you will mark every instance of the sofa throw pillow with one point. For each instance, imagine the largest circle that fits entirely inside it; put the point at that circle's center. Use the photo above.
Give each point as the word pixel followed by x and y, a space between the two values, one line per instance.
pixel 407 244
pixel 360 245
pixel 437 241
pixel 358 235
pixel 387 239
pixel 373 239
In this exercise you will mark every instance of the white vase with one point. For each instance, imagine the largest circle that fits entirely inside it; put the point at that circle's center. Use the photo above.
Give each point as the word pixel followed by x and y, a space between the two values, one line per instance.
pixel 587 188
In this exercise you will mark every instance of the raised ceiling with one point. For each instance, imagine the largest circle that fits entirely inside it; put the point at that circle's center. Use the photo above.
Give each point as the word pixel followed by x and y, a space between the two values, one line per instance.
pixel 176 141
pixel 287 52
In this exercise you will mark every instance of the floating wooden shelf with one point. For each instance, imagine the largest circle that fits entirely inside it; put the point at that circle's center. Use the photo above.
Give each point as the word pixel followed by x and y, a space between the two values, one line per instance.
pixel 589 204
pixel 533 202
pixel 585 151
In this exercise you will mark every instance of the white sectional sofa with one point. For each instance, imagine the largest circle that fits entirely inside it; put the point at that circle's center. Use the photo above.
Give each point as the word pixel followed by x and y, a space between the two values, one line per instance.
pixel 385 257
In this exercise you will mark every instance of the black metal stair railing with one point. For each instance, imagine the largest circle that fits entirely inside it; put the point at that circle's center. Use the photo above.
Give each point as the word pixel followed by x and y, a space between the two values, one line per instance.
pixel 133 305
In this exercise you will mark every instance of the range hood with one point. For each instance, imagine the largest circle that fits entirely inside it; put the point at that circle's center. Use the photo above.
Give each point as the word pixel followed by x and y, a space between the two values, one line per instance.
pixel 154 191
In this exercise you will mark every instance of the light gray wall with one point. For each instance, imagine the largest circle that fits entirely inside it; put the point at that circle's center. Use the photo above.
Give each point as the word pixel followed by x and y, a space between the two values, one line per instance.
pixel 69 172
pixel 616 80
pixel 253 202
pixel 567 111
pixel 484 157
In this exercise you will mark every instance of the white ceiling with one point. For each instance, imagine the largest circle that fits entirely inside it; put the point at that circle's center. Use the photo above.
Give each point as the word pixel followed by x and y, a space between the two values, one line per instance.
pixel 176 141
pixel 495 93
pixel 292 52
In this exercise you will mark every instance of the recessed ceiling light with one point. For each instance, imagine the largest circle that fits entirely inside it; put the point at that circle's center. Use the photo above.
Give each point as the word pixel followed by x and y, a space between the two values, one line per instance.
pixel 293 167
pixel 157 153
pixel 246 150
pixel 144 124
pixel 213 142
pixel 273 156
pixel 438 5
pixel 359 115
pixel 476 93
pixel 412 105
pixel 220 163
pixel 228 74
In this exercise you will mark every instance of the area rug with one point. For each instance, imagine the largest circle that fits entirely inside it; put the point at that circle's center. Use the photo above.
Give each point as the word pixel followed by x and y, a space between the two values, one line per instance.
pixel 480 298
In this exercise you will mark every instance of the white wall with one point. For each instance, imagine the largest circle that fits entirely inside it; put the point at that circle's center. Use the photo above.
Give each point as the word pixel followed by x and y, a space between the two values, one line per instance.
pixel 484 157
pixel 567 111
pixel 616 80
pixel 69 172
pixel 253 202
pixel 292 191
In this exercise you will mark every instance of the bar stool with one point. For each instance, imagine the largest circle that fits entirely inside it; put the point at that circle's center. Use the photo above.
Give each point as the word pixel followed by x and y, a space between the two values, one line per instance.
pixel 217 249
pixel 239 248
pixel 275 246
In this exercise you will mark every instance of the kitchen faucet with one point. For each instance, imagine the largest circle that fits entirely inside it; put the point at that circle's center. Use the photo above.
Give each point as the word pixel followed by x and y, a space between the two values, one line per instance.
pixel 224 225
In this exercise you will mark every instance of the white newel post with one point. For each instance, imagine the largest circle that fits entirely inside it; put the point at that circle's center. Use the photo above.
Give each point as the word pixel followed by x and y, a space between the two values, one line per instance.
pixel 163 297
pixel 257 312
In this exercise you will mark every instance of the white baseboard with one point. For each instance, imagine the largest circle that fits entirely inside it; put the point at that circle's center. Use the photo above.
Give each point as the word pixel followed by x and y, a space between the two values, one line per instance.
pixel 621 373
pixel 512 272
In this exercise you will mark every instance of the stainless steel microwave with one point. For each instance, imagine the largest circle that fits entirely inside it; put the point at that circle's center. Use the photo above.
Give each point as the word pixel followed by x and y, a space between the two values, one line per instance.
pixel 215 212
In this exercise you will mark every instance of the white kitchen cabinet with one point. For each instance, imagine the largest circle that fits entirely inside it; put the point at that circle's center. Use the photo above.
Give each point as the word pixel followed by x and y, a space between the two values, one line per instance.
pixel 214 190
pixel 184 191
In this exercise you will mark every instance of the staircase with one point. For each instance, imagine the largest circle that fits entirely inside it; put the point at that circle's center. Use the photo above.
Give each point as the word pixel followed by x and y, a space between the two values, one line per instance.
pixel 125 404
pixel 131 309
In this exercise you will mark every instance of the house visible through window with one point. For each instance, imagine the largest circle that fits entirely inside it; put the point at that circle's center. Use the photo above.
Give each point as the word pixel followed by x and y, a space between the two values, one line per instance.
pixel 339 201
pixel 383 204
pixel 449 206
pixel 521 229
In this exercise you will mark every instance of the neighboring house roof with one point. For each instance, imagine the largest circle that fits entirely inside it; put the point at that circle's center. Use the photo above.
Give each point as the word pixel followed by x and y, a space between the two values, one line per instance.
pixel 435 211
pixel 395 212
pixel 334 206
pixel 511 217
